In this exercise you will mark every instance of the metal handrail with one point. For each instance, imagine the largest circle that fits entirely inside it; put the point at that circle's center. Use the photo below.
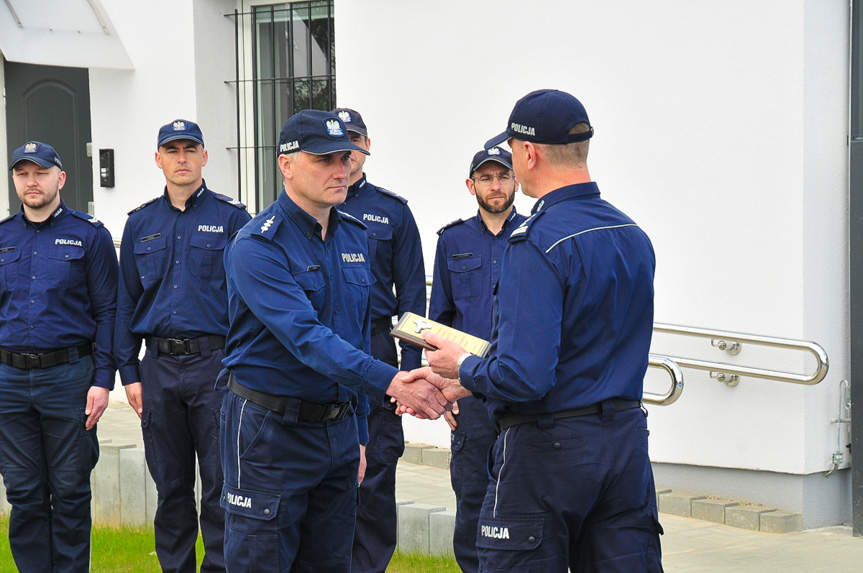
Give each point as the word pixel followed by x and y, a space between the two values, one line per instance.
pixel 728 339
pixel 673 370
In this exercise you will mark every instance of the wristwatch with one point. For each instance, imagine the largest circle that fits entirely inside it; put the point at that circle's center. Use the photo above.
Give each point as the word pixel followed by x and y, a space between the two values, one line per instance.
pixel 461 359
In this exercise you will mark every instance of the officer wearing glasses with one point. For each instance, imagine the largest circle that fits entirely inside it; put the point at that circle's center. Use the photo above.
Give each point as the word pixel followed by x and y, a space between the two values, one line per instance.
pixel 466 270
pixel 58 293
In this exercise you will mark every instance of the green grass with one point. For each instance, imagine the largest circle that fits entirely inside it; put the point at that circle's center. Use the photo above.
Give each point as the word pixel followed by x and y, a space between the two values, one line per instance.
pixel 128 550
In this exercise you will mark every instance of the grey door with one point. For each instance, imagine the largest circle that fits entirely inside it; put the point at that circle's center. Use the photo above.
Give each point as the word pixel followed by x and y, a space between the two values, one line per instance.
pixel 51 104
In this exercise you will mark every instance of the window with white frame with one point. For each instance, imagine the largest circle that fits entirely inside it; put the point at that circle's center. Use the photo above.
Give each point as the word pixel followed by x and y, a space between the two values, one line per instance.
pixel 285 64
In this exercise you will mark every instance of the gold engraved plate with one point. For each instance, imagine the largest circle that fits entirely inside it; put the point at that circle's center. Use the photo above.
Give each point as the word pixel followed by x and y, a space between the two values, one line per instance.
pixel 411 326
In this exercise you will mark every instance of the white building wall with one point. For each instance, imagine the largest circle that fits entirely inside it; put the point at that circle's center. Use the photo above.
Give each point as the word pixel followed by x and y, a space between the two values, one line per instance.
pixel 720 127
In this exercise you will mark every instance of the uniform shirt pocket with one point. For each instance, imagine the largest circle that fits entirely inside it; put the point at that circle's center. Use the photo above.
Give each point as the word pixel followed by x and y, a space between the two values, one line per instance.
pixel 380 241
pixel 8 257
pixel 151 257
pixel 65 265
pixel 312 283
pixel 358 280
pixel 206 254
pixel 466 279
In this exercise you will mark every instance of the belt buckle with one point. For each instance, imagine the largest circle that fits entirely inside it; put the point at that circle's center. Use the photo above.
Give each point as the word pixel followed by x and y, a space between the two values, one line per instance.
pixel 180 343
pixel 33 360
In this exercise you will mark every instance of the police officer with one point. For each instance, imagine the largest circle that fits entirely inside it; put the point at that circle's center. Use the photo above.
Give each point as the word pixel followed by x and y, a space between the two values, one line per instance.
pixel 172 296
pixel 396 261
pixel 466 270
pixel 299 292
pixel 573 486
pixel 58 293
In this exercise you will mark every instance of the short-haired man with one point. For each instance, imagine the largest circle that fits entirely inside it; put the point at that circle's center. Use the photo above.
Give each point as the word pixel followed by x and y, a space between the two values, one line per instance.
pixel 573 487
pixel 299 291
pixel 400 287
pixel 58 293
pixel 172 295
pixel 466 270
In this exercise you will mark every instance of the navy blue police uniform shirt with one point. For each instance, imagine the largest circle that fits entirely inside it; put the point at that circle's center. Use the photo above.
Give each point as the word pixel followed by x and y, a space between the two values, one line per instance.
pixel 467 267
pixel 300 309
pixel 172 276
pixel 574 309
pixel 396 256
pixel 58 286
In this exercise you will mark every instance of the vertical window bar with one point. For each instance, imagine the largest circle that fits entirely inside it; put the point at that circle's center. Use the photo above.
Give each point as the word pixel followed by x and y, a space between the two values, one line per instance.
pixel 237 97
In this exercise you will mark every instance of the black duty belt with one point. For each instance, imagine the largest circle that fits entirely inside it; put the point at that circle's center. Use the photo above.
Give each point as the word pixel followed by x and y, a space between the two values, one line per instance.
pixel 511 419
pixel 178 346
pixel 384 324
pixel 43 360
pixel 308 411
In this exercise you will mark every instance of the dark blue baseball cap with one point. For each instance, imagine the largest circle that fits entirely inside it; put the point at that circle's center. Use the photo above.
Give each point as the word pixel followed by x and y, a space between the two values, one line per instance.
pixel 353 120
pixel 180 129
pixel 545 116
pixel 39 153
pixel 316 132
pixel 502 156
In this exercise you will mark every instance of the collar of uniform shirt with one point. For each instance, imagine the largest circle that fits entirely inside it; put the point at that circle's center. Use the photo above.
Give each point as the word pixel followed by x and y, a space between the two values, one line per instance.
pixel 305 222
pixel 562 194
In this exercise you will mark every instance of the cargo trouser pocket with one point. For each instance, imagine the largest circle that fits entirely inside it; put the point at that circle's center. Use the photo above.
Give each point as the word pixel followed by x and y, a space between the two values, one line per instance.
pixel 251 529
pixel 509 543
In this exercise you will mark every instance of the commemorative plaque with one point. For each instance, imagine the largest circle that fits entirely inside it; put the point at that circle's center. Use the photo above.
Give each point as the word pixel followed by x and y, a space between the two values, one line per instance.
pixel 411 326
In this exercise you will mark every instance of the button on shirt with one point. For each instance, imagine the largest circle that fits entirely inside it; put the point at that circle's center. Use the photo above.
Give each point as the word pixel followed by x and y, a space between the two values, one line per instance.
pixel 467 267
pixel 300 310
pixel 58 286
pixel 574 310
pixel 172 277
pixel 396 256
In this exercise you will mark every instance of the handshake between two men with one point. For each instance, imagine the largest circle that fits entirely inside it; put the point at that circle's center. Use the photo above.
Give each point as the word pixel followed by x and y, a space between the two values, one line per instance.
pixel 429 392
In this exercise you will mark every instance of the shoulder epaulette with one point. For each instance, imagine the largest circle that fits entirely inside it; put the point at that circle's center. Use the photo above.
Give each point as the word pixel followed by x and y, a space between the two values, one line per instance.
pixel 267 228
pixel 450 224
pixel 393 195
pixel 521 232
pixel 350 218
pixel 229 200
pixel 141 206
pixel 7 218
pixel 85 217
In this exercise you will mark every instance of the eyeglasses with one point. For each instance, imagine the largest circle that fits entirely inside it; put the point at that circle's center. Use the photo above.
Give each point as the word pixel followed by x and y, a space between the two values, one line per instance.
pixel 504 178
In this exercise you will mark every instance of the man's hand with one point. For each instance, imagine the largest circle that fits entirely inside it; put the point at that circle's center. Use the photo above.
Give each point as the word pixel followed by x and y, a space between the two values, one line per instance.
pixel 450 417
pixel 422 398
pixel 451 390
pixel 444 360
pixel 97 401
pixel 362 473
pixel 133 394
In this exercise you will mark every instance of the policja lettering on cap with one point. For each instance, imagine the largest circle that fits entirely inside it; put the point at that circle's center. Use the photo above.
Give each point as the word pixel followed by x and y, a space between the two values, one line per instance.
pixel 545 116
pixel 316 132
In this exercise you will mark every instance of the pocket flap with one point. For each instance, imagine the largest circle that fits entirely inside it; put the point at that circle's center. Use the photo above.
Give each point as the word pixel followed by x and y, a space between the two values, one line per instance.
pixel 464 265
pixel 513 533
pixel 65 252
pixel 252 504
pixel 358 275
pixel 211 241
pixel 142 247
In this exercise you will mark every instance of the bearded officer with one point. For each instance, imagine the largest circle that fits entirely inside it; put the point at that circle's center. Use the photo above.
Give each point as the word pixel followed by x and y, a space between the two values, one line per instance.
pixel 400 287
pixel 466 269
pixel 172 296
pixel 58 292
pixel 565 374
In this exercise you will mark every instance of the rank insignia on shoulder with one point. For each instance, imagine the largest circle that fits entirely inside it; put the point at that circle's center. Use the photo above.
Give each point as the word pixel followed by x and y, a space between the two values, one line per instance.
pixel 229 200
pixel 393 195
pixel 142 205
pixel 450 224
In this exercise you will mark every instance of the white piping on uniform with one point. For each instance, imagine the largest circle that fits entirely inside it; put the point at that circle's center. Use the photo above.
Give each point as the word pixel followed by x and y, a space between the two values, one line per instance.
pixel 587 231
pixel 500 473
pixel 239 428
